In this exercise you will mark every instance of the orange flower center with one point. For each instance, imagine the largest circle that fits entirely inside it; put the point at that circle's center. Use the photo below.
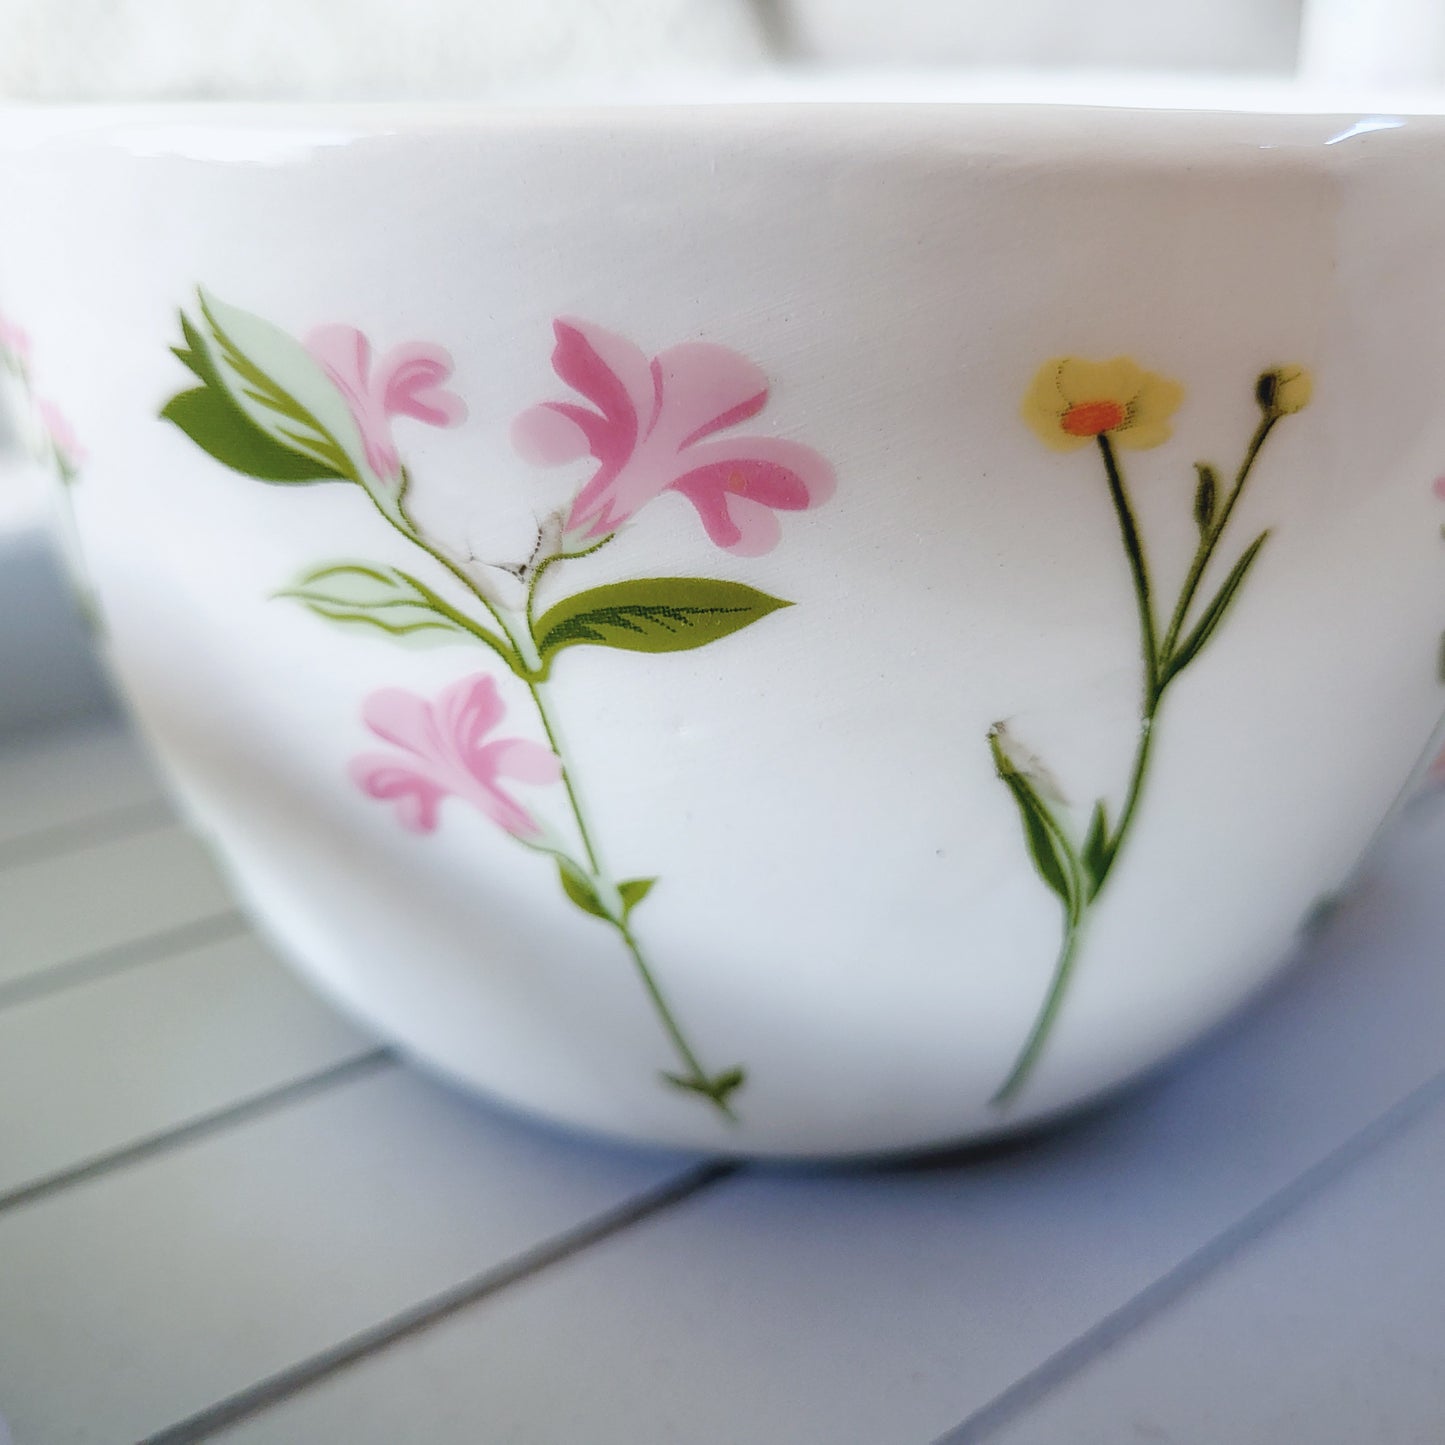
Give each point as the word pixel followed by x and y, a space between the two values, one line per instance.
pixel 737 483
pixel 1090 418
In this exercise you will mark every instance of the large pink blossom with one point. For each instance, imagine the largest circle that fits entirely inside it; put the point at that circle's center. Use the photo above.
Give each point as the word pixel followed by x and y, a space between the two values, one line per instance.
pixel 443 754
pixel 406 381
pixel 648 428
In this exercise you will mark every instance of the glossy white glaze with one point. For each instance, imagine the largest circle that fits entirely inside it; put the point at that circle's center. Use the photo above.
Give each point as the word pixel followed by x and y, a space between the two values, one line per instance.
pixel 846 905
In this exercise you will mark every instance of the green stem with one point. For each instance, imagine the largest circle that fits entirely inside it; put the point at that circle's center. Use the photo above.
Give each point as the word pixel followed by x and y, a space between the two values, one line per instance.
pixel 1075 915
pixel 1210 539
pixel 1157 677
pixel 554 741
pixel 696 1079
pixel 1131 798
pixel 1138 568
pixel 1043 1025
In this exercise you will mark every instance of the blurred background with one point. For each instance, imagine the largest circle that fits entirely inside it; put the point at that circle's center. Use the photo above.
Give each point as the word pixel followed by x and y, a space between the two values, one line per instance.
pixel 366 49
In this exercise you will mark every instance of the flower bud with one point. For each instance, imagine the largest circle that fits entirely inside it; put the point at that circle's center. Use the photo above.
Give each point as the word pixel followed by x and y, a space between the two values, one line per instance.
pixel 1284 390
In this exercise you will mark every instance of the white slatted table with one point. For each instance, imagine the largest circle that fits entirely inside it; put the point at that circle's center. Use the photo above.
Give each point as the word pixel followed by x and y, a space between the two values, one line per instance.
pixel 226 1214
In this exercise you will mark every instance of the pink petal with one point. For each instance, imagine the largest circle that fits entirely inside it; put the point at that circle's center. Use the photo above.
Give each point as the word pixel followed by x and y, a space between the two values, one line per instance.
pixel 467 711
pixel 755 528
pixel 506 812
pixel 1440 488
pixel 758 458
pixel 345 353
pixel 417 797
pixel 547 436
pixel 607 369
pixel 773 486
pixel 403 718
pixel 735 523
pixel 409 382
pixel 705 388
pixel 527 762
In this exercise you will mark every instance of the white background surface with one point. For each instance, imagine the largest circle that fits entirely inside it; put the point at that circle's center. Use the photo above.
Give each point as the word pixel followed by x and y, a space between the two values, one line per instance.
pixel 213 1189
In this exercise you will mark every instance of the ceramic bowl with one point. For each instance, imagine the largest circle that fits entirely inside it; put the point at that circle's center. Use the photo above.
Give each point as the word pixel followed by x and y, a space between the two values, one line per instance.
pixel 801 630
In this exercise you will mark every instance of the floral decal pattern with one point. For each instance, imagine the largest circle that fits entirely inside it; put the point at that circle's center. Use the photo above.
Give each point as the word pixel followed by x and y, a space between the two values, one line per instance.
pixel 291 412
pixel 1115 405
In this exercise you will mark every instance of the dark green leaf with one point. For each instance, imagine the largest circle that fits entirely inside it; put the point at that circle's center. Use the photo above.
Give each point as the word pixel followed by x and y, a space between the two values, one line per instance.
pixel 372 595
pixel 212 420
pixel 578 887
pixel 1205 496
pixel 633 891
pixel 1045 847
pixel 652 614
pixel 1192 645
pixel 217 426
pixel 1095 853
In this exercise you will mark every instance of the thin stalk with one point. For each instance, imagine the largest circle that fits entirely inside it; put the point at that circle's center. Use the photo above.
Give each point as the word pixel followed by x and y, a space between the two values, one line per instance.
pixel 1210 540
pixel 1131 798
pixel 1138 568
pixel 1043 1025
pixel 554 741
pixel 697 1077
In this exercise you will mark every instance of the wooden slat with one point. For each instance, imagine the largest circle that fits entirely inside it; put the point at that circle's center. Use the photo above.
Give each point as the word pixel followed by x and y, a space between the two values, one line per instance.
pixel 1330 1331
pixel 65 776
pixel 65 907
pixel 137 1298
pixel 133 1055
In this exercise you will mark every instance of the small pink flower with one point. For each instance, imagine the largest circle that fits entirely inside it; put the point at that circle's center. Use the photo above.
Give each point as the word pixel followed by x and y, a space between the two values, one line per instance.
pixel 649 434
pixel 1440 488
pixel 407 381
pixel 62 435
pixel 444 755
pixel 15 339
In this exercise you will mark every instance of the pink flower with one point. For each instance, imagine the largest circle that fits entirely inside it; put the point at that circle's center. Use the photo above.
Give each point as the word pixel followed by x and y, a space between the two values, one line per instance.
pixel 443 755
pixel 407 382
pixel 648 429
pixel 62 435
pixel 1440 488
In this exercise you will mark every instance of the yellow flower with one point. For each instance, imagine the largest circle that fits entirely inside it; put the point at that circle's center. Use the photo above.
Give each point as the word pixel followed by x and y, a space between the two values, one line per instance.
pixel 1285 390
pixel 1072 401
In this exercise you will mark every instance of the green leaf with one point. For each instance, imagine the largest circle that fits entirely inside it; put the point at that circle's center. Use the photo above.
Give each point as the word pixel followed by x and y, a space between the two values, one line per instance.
pixel 633 892
pixel 1205 496
pixel 717 1088
pixel 1045 846
pixel 1192 645
pixel 217 426
pixel 1048 844
pixel 373 595
pixel 579 888
pixel 263 393
pixel 1095 853
pixel 652 614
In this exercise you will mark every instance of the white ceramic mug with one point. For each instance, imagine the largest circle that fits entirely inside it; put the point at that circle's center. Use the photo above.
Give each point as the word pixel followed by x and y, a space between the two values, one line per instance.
pixel 922 601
